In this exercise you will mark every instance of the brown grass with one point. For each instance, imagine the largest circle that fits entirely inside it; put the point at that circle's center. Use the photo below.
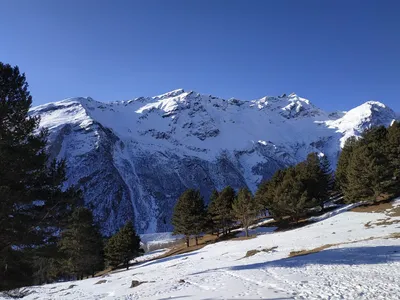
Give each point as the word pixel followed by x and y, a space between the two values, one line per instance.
pixel 373 208
pixel 323 247
pixel 395 235
pixel 384 207
pixel 311 251
pixel 386 222
pixel 255 251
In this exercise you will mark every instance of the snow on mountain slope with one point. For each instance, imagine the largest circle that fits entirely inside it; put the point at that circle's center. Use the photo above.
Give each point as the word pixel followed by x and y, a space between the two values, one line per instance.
pixel 363 262
pixel 134 158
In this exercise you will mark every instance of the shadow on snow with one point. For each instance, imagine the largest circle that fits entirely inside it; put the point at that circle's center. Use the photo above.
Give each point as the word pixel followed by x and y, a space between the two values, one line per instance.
pixel 342 256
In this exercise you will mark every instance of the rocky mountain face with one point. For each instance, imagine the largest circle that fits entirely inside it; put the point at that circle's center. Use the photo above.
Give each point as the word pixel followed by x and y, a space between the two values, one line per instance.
pixel 132 159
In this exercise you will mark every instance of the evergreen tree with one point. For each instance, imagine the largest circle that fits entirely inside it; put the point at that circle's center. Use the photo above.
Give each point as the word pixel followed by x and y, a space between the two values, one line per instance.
pixel 366 169
pixel 313 177
pixel 343 163
pixel 82 244
pixel 223 209
pixel 368 175
pixel 260 198
pixel 245 208
pixel 293 191
pixel 291 197
pixel 393 153
pixel 189 217
pixel 123 246
pixel 212 213
pixel 265 195
pixel 33 205
pixel 328 174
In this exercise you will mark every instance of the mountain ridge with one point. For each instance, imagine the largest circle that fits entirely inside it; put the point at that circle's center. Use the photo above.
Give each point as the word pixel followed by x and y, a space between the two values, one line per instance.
pixel 133 158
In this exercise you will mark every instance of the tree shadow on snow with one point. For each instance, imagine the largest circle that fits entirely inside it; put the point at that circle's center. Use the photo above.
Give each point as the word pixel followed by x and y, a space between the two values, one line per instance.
pixel 342 256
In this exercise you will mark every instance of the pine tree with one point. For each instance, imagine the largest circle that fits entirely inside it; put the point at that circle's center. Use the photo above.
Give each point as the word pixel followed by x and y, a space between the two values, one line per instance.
pixel 33 205
pixel 343 164
pixel 189 217
pixel 265 195
pixel 212 213
pixel 123 246
pixel 223 209
pixel 368 172
pixel 393 153
pixel 313 177
pixel 245 208
pixel 368 175
pixel 328 174
pixel 82 244
pixel 260 197
pixel 291 197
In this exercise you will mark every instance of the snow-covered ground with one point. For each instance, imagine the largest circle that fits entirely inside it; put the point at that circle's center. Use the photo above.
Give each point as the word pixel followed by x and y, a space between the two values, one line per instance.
pixel 364 264
pixel 152 241
pixel 150 255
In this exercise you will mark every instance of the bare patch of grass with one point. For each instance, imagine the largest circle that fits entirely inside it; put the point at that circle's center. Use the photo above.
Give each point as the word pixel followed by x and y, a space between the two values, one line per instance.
pixel 252 252
pixel 255 251
pixel 395 235
pixel 311 251
pixel 386 222
pixel 377 207
pixel 323 247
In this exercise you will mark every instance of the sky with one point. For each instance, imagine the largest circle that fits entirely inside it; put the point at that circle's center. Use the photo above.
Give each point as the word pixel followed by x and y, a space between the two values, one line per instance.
pixel 338 54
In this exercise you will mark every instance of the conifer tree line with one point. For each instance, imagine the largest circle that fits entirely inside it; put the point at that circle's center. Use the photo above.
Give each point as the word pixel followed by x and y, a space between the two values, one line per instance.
pixel 45 232
pixel 368 169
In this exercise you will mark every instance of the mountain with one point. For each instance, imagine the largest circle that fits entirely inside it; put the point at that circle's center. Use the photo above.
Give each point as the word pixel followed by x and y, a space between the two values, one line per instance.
pixel 133 159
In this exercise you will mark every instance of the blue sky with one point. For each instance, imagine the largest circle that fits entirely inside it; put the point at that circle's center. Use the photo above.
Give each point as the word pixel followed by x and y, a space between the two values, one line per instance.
pixel 338 54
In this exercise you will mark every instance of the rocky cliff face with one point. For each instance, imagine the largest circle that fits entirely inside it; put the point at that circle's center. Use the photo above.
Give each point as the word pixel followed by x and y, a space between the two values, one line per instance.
pixel 133 159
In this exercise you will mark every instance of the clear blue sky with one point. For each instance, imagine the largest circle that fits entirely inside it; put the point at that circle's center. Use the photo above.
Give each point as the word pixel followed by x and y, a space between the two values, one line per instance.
pixel 338 54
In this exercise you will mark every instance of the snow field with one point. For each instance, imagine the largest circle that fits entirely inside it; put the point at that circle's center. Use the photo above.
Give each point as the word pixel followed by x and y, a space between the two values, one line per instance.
pixel 365 264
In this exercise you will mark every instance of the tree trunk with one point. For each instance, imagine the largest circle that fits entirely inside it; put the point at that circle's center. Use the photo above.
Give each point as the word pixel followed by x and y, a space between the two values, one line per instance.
pixel 246 230
pixel 187 241
pixel 127 265
pixel 196 240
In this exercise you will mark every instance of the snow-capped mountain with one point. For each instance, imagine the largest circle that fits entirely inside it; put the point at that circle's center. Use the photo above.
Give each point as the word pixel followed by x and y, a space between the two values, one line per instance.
pixel 133 159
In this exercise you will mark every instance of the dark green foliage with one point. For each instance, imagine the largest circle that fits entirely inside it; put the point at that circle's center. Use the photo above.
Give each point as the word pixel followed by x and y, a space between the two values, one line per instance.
pixel 293 191
pixel 393 149
pixel 123 247
pixel 211 225
pixel 221 209
pixel 368 168
pixel 315 175
pixel 48 264
pixel 189 217
pixel 328 174
pixel 291 197
pixel 343 163
pixel 26 176
pixel 82 244
pixel 245 208
pixel 266 192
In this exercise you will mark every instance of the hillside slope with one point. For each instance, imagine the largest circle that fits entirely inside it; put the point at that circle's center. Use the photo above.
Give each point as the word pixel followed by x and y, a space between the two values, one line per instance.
pixel 359 258
pixel 134 158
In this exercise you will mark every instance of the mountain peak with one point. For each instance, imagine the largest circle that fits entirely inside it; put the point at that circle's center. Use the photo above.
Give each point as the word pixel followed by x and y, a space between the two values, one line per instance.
pixel 170 94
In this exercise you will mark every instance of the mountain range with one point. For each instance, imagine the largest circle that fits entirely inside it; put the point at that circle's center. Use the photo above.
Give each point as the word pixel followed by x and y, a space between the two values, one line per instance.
pixel 132 159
